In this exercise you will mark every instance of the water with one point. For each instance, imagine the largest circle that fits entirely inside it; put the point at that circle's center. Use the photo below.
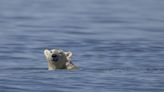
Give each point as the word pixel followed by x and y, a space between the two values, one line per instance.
pixel 118 45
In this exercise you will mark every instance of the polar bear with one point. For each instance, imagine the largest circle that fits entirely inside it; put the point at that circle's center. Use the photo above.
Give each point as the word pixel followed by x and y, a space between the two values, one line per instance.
pixel 58 59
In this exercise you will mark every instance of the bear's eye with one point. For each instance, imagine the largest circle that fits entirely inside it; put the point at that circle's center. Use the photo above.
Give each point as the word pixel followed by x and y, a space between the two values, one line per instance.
pixel 55 57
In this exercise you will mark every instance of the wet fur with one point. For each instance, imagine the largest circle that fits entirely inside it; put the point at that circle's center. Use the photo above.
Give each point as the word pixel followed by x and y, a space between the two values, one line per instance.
pixel 64 59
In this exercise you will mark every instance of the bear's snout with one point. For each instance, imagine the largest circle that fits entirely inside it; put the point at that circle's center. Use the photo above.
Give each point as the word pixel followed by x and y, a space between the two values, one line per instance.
pixel 55 57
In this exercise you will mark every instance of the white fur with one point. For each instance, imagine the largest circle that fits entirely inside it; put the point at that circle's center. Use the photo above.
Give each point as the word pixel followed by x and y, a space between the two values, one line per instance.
pixel 64 61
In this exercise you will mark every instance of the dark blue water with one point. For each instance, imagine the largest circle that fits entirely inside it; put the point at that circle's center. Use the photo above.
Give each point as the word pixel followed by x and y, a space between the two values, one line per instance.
pixel 118 45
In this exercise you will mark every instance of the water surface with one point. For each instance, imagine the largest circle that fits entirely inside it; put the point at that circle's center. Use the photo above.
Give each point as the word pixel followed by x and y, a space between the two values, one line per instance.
pixel 118 45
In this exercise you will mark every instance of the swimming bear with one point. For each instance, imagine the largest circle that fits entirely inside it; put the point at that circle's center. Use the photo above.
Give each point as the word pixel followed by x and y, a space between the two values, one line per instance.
pixel 58 59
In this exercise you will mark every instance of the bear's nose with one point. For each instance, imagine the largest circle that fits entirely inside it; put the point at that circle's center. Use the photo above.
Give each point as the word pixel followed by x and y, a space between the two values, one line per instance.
pixel 55 57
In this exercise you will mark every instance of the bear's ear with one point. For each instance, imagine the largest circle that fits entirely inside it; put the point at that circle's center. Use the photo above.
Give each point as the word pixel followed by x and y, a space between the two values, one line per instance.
pixel 68 54
pixel 46 52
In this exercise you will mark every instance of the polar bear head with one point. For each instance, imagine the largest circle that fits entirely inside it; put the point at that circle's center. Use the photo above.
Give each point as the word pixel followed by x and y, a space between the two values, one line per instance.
pixel 57 59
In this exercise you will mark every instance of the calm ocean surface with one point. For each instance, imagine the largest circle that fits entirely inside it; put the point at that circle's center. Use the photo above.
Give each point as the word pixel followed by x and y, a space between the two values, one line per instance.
pixel 118 45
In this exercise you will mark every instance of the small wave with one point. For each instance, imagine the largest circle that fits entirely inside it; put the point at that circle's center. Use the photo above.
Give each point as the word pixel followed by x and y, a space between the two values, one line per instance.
pixel 126 69
pixel 21 68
